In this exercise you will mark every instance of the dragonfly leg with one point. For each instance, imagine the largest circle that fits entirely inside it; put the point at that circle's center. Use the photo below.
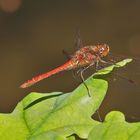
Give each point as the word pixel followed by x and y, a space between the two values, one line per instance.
pixel 111 63
pixel 82 77
pixel 78 71
pixel 75 75
pixel 99 116
pixel 105 62
pixel 97 66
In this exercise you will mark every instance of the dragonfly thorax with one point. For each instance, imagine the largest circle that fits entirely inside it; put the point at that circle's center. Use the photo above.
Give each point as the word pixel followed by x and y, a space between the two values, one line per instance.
pixel 88 54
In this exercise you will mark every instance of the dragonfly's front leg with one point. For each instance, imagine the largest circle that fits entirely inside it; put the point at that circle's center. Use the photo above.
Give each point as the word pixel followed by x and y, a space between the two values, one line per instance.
pixel 111 63
pixel 105 62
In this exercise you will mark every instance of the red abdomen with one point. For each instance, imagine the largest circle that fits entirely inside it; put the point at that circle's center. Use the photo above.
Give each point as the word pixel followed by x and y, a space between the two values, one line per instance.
pixel 67 66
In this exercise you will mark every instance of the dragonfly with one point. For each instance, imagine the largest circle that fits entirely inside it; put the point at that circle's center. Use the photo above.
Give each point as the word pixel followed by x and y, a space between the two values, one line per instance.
pixel 85 57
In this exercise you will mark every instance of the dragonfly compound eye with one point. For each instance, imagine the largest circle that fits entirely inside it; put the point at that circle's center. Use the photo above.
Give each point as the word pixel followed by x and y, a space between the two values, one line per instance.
pixel 104 50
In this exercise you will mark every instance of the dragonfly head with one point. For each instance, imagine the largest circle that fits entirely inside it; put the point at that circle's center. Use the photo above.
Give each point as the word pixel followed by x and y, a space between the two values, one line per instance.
pixel 103 49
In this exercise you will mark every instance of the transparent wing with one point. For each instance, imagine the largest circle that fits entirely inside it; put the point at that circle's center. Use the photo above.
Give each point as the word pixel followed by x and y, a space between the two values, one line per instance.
pixel 78 41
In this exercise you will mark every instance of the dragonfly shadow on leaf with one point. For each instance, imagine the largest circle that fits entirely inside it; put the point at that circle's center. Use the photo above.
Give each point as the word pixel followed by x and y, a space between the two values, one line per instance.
pixel 40 100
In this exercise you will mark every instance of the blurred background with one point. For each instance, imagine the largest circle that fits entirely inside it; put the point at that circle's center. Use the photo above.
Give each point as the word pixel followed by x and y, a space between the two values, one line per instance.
pixel 33 34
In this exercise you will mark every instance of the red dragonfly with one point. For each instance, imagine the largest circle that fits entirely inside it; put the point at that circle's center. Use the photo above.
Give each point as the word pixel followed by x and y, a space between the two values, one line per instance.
pixel 85 57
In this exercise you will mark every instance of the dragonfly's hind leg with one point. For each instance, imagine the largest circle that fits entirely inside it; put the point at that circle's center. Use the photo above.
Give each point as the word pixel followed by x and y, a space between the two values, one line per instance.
pixel 83 80
pixel 99 116
pixel 82 77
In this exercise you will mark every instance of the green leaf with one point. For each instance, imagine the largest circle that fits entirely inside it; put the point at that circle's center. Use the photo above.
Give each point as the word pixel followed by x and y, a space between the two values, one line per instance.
pixel 107 70
pixel 56 116
pixel 115 128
